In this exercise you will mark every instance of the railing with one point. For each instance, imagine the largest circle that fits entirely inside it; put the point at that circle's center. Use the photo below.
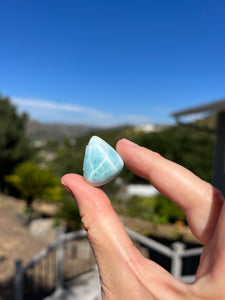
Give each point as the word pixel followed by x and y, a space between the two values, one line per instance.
pixel 177 253
pixel 36 281
pixel 45 273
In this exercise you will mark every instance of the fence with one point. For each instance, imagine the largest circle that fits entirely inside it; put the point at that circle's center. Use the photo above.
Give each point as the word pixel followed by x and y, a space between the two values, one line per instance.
pixel 176 254
pixel 45 273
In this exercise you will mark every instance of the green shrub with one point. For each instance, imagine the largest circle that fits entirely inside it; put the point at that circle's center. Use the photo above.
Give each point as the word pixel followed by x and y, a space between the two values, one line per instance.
pixel 68 212
pixel 33 182
pixel 168 209
pixel 156 209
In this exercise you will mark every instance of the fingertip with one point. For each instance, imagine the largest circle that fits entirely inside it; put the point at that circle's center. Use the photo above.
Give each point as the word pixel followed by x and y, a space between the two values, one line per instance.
pixel 118 144
pixel 76 184
pixel 125 142
pixel 64 179
pixel 104 228
pixel 67 179
pixel 88 198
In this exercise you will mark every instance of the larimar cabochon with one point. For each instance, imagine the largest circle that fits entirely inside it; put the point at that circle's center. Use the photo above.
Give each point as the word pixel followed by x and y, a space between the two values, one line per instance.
pixel 101 162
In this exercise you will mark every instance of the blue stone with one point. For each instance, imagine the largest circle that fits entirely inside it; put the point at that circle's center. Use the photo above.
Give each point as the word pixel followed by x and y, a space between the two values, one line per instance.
pixel 101 162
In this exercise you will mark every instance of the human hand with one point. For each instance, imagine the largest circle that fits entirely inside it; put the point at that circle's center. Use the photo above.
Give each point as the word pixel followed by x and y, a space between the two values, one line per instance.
pixel 124 272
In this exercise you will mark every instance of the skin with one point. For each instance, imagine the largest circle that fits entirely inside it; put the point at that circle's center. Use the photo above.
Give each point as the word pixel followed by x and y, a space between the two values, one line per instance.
pixel 124 272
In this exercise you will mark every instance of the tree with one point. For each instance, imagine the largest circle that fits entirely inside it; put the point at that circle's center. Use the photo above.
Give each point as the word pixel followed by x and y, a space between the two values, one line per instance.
pixel 35 183
pixel 189 147
pixel 14 146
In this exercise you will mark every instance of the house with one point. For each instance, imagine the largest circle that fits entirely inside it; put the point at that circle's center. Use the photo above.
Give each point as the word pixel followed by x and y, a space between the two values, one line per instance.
pixel 147 190
pixel 217 108
pixel 150 127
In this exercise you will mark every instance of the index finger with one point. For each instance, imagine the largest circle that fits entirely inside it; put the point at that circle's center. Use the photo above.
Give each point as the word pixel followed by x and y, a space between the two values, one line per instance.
pixel 199 200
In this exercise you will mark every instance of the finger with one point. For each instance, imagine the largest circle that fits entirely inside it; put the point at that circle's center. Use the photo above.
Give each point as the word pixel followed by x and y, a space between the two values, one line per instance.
pixel 198 199
pixel 96 211
pixel 217 245
pixel 210 273
pixel 118 260
pixel 110 243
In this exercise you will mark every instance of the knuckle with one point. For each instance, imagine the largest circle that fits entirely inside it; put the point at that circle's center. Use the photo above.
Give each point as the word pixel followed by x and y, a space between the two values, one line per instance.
pixel 93 220
pixel 154 159
pixel 217 195
pixel 212 193
pixel 87 221
pixel 94 232
pixel 156 156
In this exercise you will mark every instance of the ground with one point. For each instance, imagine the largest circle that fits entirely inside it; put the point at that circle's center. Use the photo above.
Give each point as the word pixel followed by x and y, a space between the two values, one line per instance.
pixel 15 240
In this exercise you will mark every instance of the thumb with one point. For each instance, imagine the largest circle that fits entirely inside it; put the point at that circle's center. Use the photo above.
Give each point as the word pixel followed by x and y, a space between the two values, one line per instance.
pixel 110 243
pixel 97 214
pixel 124 272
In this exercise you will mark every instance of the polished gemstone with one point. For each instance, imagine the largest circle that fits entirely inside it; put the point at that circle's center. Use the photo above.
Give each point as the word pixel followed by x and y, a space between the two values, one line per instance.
pixel 101 162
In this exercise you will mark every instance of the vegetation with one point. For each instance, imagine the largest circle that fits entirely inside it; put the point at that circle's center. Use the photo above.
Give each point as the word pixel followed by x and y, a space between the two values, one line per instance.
pixel 156 209
pixel 186 146
pixel 70 153
pixel 35 174
pixel 35 183
pixel 68 212
pixel 14 146
pixel 191 148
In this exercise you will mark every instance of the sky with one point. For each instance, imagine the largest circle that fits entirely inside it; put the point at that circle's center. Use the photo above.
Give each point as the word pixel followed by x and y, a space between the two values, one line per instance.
pixel 107 63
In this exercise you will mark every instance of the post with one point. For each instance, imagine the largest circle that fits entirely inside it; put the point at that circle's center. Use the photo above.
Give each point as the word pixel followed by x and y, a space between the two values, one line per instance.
pixel 176 264
pixel 18 280
pixel 59 260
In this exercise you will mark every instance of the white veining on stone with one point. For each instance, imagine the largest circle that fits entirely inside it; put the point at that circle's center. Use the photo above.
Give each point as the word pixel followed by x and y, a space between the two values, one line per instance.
pixel 97 155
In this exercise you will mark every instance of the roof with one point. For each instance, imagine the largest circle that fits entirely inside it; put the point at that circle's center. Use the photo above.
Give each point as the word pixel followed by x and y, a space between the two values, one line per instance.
pixel 215 106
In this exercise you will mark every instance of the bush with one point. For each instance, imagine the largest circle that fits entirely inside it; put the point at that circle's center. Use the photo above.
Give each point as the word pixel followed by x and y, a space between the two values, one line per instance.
pixel 69 213
pixel 156 209
pixel 33 182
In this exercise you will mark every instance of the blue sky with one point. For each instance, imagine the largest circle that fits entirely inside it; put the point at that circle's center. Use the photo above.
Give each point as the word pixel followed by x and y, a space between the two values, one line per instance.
pixel 111 62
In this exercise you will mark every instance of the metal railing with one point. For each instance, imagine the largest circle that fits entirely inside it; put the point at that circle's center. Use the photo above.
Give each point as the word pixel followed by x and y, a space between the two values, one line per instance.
pixel 177 253
pixel 28 286
pixel 44 274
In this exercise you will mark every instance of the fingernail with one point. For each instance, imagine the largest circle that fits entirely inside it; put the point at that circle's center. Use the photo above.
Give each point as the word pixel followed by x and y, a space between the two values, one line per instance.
pixel 130 143
pixel 68 190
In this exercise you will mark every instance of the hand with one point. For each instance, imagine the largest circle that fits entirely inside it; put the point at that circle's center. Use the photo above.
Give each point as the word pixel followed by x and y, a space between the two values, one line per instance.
pixel 124 272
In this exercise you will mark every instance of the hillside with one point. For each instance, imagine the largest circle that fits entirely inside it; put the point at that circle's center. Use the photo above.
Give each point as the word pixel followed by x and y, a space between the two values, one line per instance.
pixel 58 131
pixel 55 131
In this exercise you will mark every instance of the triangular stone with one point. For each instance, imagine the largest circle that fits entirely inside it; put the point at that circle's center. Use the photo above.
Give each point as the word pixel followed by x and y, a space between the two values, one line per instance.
pixel 101 162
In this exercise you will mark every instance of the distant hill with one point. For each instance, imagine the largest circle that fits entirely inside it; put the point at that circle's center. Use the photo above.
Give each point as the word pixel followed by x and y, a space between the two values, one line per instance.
pixel 56 131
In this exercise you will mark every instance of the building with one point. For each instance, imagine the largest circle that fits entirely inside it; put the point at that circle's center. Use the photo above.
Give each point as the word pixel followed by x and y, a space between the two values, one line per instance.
pixel 150 127
pixel 146 190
